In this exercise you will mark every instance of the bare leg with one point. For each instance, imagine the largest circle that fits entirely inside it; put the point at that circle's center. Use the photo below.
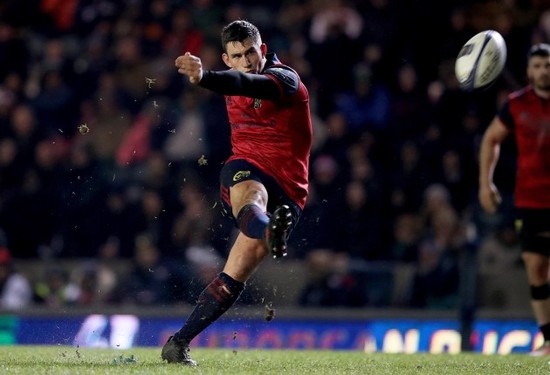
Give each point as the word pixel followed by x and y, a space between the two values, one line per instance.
pixel 245 256
pixel 537 267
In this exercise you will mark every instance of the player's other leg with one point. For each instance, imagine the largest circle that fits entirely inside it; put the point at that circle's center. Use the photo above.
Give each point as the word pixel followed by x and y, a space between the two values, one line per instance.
pixel 174 352
pixel 537 273
pixel 212 303
pixel 534 239
pixel 244 257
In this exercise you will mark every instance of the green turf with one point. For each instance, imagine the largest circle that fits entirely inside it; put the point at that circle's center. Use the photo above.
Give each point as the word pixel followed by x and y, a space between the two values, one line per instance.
pixel 69 360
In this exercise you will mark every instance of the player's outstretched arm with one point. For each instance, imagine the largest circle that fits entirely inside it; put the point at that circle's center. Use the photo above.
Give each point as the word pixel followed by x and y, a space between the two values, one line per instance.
pixel 489 197
pixel 233 82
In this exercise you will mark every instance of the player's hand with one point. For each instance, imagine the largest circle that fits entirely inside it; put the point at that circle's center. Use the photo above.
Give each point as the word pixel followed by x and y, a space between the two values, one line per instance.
pixel 191 66
pixel 489 198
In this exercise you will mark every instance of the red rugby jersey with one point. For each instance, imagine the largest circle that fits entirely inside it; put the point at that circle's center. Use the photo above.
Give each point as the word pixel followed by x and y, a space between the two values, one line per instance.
pixel 274 135
pixel 528 116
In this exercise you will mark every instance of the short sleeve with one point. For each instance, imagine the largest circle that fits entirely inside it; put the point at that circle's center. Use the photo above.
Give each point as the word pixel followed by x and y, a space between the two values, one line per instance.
pixel 505 116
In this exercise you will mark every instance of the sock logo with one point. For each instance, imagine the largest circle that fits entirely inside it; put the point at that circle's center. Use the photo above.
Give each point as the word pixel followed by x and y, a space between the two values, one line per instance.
pixel 225 289
pixel 240 175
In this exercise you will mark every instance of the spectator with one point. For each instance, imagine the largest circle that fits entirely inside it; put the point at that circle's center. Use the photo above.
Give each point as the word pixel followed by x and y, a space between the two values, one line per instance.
pixel 33 208
pixel 380 35
pixel 55 104
pixel 330 281
pixel 83 193
pixel 408 179
pixel 184 35
pixel 150 281
pixel 366 105
pixel 117 228
pixel 186 144
pixel 335 14
pixel 407 232
pixel 26 133
pixel 337 140
pixel 14 49
pixel 108 119
pixel 326 178
pixel 436 197
pixel 500 251
pixel 15 289
pixel 193 225
pixel 335 30
pixel 54 289
pixel 457 179
pixel 93 283
pixel 409 112
pixel 357 224
pixel 435 284
pixel 131 71
pixel 316 227
pixel 11 172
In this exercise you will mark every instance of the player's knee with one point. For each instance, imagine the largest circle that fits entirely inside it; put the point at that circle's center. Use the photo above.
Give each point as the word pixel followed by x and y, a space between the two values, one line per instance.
pixel 248 192
pixel 252 221
pixel 540 292
pixel 241 213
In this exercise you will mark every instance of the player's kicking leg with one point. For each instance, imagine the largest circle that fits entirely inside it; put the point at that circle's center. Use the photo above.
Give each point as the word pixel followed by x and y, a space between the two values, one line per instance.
pixel 278 230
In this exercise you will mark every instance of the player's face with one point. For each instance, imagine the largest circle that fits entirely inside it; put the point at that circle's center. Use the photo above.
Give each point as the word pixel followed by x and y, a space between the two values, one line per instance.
pixel 538 72
pixel 247 56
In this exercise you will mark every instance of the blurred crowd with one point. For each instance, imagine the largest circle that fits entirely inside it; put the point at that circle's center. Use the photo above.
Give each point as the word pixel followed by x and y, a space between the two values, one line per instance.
pixel 107 154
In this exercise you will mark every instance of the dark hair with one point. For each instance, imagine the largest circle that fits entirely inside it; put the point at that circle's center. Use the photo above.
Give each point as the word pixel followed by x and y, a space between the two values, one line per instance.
pixel 541 50
pixel 238 31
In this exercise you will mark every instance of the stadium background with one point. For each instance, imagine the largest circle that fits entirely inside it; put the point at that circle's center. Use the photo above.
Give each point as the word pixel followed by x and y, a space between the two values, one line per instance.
pixel 123 218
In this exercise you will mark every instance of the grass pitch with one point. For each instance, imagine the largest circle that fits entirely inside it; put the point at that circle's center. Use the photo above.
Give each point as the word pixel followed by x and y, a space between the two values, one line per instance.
pixel 37 360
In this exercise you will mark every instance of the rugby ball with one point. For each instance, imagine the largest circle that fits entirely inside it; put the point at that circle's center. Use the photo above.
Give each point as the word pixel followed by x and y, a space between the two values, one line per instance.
pixel 481 60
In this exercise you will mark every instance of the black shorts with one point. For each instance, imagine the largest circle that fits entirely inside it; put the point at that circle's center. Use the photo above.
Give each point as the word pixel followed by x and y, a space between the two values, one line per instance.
pixel 237 171
pixel 531 224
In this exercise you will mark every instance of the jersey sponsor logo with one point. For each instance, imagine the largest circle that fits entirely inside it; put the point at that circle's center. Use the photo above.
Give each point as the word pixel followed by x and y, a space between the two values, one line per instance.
pixel 240 175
